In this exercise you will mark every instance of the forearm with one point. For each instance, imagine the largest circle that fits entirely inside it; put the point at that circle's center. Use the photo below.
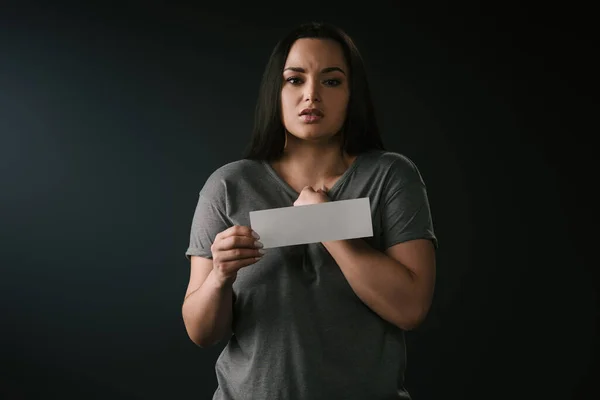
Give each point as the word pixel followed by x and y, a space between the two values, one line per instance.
pixel 207 312
pixel 386 286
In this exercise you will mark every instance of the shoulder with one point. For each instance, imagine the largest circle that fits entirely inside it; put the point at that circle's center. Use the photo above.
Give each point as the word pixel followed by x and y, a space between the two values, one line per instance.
pixel 235 169
pixel 228 174
pixel 396 168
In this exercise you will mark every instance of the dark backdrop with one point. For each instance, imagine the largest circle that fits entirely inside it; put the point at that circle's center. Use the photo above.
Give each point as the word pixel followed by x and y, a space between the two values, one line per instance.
pixel 111 119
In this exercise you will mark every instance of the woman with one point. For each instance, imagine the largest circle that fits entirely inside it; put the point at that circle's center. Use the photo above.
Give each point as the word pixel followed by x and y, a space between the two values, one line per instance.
pixel 323 320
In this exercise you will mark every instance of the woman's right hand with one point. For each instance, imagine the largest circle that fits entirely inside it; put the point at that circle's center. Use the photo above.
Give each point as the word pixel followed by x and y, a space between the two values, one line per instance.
pixel 233 249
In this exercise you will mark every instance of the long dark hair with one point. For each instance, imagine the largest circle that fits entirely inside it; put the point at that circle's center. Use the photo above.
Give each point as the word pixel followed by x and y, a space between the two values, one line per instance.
pixel 360 129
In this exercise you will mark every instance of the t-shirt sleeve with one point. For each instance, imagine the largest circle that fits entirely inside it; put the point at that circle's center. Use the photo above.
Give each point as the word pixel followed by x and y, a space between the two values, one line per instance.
pixel 209 218
pixel 406 213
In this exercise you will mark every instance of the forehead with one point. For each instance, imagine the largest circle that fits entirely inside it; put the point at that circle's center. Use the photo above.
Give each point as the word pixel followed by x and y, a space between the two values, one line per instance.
pixel 315 53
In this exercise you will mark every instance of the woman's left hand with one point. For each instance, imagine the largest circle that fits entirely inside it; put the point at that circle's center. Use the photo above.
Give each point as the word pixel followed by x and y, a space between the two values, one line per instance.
pixel 310 196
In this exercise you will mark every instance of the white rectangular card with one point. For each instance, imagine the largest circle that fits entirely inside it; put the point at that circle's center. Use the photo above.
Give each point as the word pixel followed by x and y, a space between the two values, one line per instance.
pixel 335 220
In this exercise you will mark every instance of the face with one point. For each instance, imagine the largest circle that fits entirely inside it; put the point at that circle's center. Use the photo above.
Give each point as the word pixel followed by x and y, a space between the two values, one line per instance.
pixel 315 90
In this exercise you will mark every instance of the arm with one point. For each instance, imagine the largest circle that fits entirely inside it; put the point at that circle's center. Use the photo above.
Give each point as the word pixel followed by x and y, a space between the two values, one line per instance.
pixel 207 307
pixel 397 285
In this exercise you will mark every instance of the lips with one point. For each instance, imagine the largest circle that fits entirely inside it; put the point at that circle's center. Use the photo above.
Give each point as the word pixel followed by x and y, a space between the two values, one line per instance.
pixel 312 111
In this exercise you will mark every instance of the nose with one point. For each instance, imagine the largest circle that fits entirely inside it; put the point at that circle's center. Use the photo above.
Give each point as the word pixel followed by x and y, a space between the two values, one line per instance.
pixel 312 91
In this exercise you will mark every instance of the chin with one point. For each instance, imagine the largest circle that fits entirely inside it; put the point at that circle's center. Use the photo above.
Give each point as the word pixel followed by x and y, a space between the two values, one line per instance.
pixel 313 132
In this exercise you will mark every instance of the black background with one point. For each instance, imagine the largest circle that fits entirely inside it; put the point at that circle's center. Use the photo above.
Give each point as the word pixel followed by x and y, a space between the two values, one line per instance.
pixel 112 117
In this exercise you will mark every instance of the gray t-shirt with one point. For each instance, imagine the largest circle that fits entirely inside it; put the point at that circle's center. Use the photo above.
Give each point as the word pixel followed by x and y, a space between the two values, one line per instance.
pixel 299 330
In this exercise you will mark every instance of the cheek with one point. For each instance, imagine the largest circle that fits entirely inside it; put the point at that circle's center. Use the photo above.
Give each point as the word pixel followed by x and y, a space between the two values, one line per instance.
pixel 287 105
pixel 341 102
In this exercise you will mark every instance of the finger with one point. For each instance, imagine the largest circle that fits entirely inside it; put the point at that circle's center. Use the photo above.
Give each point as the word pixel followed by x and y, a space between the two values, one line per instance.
pixel 233 242
pixel 238 254
pixel 236 230
pixel 234 266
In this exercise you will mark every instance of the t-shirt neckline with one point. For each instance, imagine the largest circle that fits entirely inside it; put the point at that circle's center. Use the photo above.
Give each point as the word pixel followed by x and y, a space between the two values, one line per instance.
pixel 332 190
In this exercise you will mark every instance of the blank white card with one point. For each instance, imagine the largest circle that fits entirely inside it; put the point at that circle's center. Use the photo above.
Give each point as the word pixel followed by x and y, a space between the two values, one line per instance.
pixel 335 220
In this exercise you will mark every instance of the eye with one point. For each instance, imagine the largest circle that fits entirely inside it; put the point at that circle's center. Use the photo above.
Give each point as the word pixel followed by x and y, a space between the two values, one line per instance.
pixel 333 82
pixel 293 80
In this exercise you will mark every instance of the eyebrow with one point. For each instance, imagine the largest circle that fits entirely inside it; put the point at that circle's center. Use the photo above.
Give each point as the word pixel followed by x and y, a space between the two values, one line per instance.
pixel 323 71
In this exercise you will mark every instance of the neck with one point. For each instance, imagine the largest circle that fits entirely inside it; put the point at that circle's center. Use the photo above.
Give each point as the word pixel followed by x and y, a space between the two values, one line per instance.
pixel 312 164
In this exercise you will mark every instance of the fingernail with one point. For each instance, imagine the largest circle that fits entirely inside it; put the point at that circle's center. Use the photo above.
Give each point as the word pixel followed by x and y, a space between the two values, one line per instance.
pixel 255 235
pixel 258 244
pixel 261 251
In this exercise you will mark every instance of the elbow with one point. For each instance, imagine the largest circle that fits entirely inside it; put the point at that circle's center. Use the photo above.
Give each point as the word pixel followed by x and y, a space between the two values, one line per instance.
pixel 412 319
pixel 409 325
pixel 203 344
pixel 196 335
pixel 200 340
